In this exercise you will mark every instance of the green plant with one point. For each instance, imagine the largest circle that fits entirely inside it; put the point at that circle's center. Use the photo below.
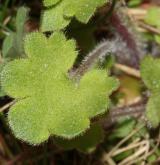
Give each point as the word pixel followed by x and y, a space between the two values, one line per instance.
pixel 49 101
pixel 46 95
pixel 150 72
pixel 59 13
pixel 60 88
pixel 152 18
pixel 55 99
pixel 13 43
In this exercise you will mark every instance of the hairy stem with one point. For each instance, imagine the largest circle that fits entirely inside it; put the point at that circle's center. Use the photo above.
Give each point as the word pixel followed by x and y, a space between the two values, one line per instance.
pixel 124 28
pixel 99 52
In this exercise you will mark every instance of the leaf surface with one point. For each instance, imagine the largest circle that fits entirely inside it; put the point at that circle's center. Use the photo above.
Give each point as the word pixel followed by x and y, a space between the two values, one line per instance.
pixel 50 103
pixel 150 72
pixel 59 15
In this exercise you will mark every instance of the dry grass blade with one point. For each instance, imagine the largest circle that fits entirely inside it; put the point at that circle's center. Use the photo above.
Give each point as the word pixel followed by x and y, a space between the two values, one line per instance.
pixel 149 28
pixel 133 158
pixel 7 105
pixel 128 70
pixel 129 147
pixel 106 156
pixel 125 139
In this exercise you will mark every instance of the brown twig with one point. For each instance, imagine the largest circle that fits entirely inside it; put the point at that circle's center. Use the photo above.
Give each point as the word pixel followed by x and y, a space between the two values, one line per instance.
pixel 149 27
pixel 133 110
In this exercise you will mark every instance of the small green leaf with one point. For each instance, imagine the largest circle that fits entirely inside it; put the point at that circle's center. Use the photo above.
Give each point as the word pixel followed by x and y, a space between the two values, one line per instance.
pixel 59 16
pixel 153 110
pixel 13 44
pixel 50 103
pixel 152 17
pixel 21 18
pixel 157 38
pixel 84 143
pixel 7 44
pixel 124 127
pixel 134 3
pixel 150 72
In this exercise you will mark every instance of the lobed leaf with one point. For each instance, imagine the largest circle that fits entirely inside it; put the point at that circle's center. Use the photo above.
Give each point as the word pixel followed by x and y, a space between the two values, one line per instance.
pixel 50 103
pixel 59 16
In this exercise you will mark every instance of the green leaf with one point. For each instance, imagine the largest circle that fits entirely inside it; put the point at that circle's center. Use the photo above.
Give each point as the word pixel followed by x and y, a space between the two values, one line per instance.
pixel 50 2
pixel 150 72
pixel 157 38
pixel 59 16
pixel 152 17
pixel 124 127
pixel 84 143
pixel 21 18
pixel 134 3
pixel 104 86
pixel 153 110
pixel 13 44
pixel 7 44
pixel 50 103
